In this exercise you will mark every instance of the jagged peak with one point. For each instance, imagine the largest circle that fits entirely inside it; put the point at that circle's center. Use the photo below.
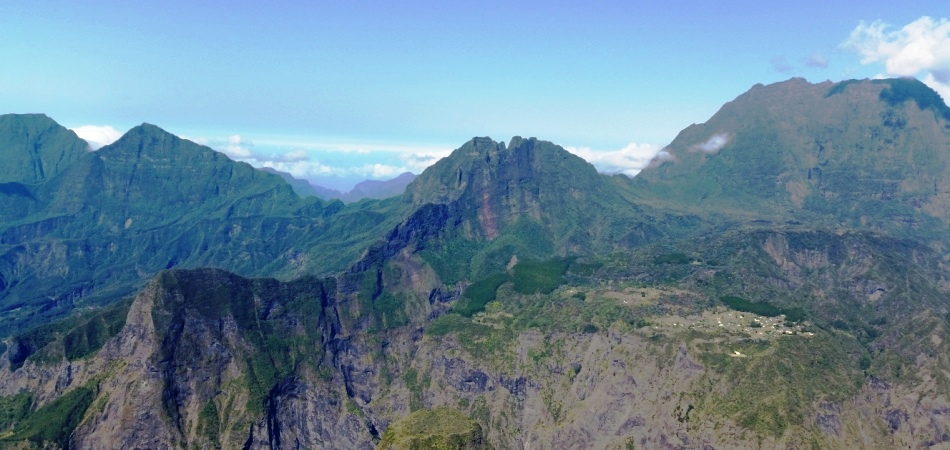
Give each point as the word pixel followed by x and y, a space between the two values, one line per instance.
pixel 35 123
pixel 481 160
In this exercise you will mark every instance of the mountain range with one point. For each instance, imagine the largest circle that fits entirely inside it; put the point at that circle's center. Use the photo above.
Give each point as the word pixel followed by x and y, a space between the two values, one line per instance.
pixel 777 277
pixel 374 189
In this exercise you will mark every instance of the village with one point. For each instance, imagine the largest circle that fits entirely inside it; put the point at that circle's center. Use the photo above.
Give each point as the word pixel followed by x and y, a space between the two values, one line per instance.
pixel 679 310
pixel 733 322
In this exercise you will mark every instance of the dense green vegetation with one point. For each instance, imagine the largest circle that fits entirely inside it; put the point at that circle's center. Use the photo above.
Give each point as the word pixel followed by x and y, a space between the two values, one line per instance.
pixel 54 422
pixel 763 308
pixel 479 293
pixel 901 90
pixel 209 424
pixel 76 337
pixel 672 258
pixel 122 208
pixel 14 409
pixel 527 277
pixel 539 277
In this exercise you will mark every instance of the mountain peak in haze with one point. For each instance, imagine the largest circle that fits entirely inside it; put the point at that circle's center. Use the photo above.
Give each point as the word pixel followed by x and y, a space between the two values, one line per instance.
pixel 372 189
pixel 379 189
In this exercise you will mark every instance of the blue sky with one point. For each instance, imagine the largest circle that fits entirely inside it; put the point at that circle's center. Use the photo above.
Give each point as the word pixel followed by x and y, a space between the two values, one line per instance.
pixel 342 91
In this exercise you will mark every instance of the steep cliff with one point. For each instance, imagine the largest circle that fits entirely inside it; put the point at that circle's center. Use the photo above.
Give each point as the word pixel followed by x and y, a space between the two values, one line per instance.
pixel 207 358
pixel 531 200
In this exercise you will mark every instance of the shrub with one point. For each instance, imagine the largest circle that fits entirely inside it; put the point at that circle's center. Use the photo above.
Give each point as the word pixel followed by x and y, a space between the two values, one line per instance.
pixel 479 294
pixel 539 277
pixel 761 308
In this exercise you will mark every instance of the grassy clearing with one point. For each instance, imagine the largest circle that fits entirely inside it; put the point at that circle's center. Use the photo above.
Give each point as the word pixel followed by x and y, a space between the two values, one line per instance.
pixel 54 423
pixel 438 429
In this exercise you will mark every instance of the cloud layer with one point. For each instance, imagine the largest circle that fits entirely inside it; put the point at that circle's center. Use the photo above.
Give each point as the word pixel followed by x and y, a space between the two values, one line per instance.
pixel 337 165
pixel 919 49
pixel 629 160
pixel 97 136
pixel 713 144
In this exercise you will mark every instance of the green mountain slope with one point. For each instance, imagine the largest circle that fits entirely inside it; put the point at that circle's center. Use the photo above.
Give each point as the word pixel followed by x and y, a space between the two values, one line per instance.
pixel 108 222
pixel 859 154
pixel 35 148
pixel 530 199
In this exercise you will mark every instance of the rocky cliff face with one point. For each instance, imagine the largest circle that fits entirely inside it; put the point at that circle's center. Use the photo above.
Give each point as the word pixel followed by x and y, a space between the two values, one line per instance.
pixel 208 359
pixel 528 179
pixel 530 199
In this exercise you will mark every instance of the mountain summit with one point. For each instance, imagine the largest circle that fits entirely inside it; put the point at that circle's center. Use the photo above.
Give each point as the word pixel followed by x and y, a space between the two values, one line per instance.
pixel 870 153
pixel 483 167
pixel 530 199
pixel 35 148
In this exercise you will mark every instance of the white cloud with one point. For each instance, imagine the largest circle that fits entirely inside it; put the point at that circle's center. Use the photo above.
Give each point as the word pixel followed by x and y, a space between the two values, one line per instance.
pixel 97 136
pixel 237 148
pixel 300 165
pixel 628 160
pixel 295 155
pixel 713 144
pixel 349 159
pixel 316 169
pixel 417 161
pixel 242 149
pixel 919 49
pixel 383 170
pixel 305 169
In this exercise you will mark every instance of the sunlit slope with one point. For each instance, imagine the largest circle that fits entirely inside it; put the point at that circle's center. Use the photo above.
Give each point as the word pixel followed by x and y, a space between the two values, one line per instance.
pixel 863 154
